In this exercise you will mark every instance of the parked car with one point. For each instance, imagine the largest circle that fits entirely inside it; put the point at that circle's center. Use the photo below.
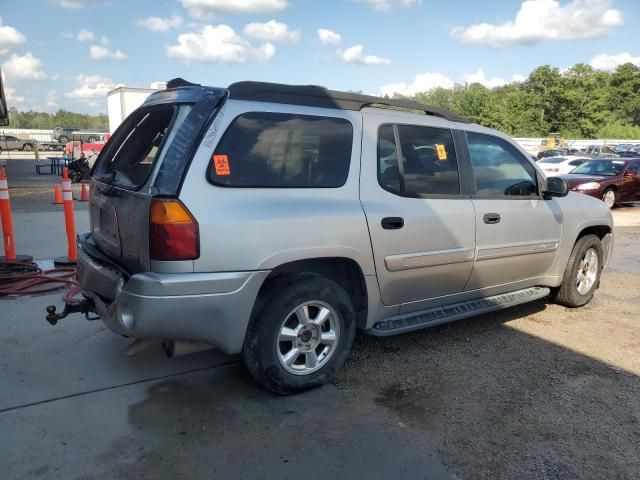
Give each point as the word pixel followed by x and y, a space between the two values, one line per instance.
pixel 273 220
pixel 64 135
pixel 552 153
pixel 9 142
pixel 601 151
pixel 555 166
pixel 614 180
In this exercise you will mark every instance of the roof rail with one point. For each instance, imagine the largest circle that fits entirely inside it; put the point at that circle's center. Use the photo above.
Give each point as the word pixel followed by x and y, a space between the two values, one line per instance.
pixel 315 96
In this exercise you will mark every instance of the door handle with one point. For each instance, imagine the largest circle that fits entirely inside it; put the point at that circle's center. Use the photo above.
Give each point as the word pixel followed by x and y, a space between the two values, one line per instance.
pixel 491 218
pixel 392 223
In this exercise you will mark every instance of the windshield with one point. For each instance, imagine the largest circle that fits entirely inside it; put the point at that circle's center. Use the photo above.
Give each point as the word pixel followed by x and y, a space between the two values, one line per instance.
pixel 607 168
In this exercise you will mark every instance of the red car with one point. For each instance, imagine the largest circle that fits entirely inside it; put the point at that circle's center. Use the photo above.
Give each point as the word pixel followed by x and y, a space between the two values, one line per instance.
pixel 614 180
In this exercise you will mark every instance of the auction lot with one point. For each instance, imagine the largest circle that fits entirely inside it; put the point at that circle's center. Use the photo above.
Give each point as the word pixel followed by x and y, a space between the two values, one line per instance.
pixel 534 392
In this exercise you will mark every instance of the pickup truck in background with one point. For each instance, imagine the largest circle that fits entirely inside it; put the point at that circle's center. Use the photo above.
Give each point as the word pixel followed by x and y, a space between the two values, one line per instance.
pixel 67 134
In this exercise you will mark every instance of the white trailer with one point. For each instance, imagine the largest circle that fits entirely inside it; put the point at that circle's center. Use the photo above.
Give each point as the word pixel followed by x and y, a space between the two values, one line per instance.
pixel 124 100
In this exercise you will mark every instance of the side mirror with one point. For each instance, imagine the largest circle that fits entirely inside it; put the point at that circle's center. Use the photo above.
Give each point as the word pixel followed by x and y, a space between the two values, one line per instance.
pixel 556 187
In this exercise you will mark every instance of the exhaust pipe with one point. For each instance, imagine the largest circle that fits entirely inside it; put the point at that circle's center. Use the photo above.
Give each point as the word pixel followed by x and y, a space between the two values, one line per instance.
pixel 176 348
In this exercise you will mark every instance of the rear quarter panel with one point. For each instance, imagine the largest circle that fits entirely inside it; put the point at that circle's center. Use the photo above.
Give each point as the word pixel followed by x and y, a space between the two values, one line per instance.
pixel 245 229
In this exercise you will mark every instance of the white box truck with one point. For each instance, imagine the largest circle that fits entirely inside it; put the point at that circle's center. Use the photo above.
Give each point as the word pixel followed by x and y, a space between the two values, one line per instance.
pixel 122 101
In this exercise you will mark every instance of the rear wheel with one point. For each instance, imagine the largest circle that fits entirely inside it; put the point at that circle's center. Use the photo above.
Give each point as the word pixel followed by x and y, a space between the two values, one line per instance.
pixel 610 197
pixel 63 139
pixel 300 334
pixel 91 140
pixel 582 275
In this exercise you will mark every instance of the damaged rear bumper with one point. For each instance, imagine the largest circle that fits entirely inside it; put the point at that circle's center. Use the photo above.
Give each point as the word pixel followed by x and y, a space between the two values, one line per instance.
pixel 205 307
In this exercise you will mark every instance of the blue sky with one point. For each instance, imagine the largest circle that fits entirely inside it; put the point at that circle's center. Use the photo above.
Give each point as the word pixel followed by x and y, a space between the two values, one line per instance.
pixel 69 53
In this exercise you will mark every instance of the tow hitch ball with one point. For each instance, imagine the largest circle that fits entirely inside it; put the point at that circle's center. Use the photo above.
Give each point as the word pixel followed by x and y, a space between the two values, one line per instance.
pixel 84 306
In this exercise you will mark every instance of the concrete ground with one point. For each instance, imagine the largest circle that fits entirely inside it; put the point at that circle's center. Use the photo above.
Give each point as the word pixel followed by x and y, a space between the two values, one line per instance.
pixel 534 392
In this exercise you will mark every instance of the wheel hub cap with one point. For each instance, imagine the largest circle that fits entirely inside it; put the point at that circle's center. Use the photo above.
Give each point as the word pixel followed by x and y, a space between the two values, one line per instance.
pixel 587 271
pixel 308 337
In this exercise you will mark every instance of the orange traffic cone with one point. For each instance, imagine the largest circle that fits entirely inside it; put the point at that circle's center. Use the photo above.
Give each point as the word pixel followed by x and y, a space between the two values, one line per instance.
pixel 57 196
pixel 84 193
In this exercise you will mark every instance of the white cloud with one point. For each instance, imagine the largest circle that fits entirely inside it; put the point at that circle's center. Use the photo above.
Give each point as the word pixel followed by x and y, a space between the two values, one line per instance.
pixel 539 20
pixel 158 24
pixel 329 37
pixel 25 67
pixel 422 83
pixel 218 44
pixel 384 5
pixel 11 96
pixel 78 3
pixel 57 76
pixel 9 38
pixel 97 52
pixel 356 54
pixel 51 98
pixel 91 87
pixel 608 62
pixel 85 35
pixel 271 31
pixel 104 40
pixel 479 77
pixel 518 78
pixel 205 8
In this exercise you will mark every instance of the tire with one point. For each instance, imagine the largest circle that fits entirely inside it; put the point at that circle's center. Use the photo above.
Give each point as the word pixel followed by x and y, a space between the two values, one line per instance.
pixel 570 294
pixel 27 147
pixel 610 197
pixel 63 139
pixel 275 319
pixel 91 140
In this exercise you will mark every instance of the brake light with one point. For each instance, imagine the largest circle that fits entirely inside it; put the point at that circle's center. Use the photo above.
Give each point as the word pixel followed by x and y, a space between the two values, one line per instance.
pixel 173 232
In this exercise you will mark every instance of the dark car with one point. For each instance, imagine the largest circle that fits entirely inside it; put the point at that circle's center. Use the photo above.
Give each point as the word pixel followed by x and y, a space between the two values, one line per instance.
pixel 614 180
pixel 554 152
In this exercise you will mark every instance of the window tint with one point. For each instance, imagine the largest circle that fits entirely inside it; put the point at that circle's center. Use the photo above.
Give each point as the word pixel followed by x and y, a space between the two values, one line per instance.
pixel 575 163
pixel 498 168
pixel 634 168
pixel 262 149
pixel 133 149
pixel 429 165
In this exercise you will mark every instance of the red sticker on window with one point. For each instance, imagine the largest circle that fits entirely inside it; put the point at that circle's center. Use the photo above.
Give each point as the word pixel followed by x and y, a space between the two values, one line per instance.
pixel 221 164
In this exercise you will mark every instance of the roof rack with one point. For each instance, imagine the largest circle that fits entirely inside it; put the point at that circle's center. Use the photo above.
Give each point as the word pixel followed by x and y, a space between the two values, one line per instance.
pixel 315 96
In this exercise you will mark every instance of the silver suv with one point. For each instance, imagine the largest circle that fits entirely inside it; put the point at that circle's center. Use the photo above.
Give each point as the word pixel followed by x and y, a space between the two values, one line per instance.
pixel 273 220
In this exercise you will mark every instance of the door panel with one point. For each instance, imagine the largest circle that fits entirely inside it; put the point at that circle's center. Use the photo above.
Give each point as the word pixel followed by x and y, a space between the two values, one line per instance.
pixel 517 231
pixel 431 253
pixel 630 190
pixel 522 245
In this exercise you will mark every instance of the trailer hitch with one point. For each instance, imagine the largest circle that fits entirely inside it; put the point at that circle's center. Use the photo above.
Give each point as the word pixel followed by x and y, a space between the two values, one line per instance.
pixel 85 306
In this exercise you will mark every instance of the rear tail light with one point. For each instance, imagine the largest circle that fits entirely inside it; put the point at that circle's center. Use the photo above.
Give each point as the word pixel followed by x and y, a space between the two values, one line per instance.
pixel 173 232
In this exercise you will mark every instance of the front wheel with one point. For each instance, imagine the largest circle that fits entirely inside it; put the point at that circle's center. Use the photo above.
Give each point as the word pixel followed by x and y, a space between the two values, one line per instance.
pixel 63 139
pixel 300 334
pixel 27 147
pixel 582 274
pixel 609 197
pixel 91 140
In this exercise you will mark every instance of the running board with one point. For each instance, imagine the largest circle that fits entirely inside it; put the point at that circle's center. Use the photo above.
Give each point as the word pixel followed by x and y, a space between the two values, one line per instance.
pixel 455 311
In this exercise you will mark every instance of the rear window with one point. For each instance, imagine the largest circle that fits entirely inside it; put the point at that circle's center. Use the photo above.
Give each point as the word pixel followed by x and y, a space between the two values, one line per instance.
pixel 131 153
pixel 264 149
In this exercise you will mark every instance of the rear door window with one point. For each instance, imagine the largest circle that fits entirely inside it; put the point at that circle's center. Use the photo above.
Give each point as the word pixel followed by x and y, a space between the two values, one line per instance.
pixel 131 153
pixel 429 164
pixel 282 150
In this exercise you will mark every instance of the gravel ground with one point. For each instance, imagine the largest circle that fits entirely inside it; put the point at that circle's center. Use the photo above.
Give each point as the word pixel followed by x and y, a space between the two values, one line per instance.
pixel 534 392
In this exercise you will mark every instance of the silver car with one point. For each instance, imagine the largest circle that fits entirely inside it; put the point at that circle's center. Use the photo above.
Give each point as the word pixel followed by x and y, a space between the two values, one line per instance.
pixel 274 221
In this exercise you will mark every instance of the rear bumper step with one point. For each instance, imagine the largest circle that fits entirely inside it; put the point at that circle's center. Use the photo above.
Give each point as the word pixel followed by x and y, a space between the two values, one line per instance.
pixel 456 311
